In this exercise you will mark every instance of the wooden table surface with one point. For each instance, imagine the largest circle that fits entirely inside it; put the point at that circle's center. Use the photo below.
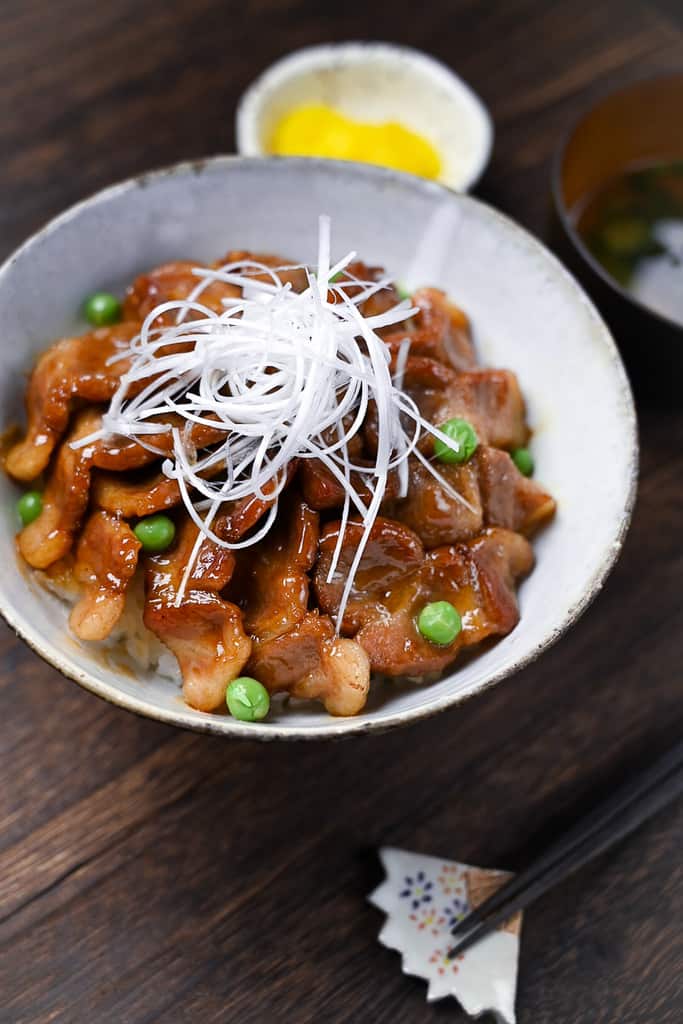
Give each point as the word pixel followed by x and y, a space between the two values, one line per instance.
pixel 148 874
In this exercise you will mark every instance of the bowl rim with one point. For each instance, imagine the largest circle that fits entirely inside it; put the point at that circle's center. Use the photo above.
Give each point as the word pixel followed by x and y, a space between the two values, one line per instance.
pixel 292 64
pixel 186 717
pixel 564 213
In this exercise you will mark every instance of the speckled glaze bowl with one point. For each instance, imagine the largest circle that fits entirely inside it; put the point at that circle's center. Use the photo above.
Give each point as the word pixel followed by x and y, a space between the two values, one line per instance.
pixel 528 314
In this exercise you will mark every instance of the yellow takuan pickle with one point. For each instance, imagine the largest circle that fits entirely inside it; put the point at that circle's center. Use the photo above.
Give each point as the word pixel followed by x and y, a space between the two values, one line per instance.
pixel 318 130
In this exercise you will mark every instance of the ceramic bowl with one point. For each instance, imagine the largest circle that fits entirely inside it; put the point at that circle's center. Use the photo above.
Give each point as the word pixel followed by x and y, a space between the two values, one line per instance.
pixel 528 314
pixel 374 82
pixel 637 125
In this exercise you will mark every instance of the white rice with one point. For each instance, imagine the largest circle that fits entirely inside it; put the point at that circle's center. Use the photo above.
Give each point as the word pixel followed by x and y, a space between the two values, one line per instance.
pixel 130 636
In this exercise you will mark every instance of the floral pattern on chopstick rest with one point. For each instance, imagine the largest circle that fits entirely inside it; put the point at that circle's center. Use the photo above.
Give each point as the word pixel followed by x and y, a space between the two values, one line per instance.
pixel 423 898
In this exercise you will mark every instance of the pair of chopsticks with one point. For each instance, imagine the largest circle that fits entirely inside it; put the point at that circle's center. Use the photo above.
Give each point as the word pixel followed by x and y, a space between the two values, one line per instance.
pixel 626 809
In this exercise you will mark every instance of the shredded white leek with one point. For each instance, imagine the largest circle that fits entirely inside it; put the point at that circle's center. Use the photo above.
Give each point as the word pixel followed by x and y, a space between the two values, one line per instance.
pixel 283 375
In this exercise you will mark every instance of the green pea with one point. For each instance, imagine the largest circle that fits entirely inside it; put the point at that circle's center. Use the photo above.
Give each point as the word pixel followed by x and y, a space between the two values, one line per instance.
pixel 464 435
pixel 439 622
pixel 155 533
pixel 339 276
pixel 29 506
pixel 523 460
pixel 401 291
pixel 247 699
pixel 101 309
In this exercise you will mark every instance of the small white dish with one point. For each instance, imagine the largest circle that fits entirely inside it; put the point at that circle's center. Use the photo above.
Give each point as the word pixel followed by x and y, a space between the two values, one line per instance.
pixel 528 315
pixel 374 82
pixel 423 898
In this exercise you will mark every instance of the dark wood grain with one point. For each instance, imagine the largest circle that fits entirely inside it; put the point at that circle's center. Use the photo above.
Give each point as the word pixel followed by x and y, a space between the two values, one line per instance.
pixel 150 875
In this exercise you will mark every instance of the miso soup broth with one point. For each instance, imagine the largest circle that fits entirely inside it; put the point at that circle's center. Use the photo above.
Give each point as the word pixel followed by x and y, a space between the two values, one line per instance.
pixel 633 226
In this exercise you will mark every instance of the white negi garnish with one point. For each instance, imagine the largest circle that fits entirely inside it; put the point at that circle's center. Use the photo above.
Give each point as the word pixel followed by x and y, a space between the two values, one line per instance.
pixel 284 376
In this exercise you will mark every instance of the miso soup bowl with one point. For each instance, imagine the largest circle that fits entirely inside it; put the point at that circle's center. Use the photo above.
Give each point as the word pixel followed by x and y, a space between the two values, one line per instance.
pixel 635 126
pixel 528 315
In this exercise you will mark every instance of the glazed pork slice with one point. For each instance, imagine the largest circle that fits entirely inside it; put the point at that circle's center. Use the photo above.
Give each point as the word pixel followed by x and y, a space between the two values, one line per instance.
pixel 312 663
pixel 509 498
pixel 393 553
pixel 440 331
pixel 495 493
pixel 106 560
pixel 477 577
pixel 146 492
pixel 322 490
pixel 238 517
pixel 75 368
pixel 490 400
pixel 495 405
pixel 203 631
pixel 436 515
pixel 173 282
pixel 119 454
pixel 135 498
pixel 295 276
pixel 65 499
pixel 379 302
pixel 273 578
pixel 294 650
pixel 67 491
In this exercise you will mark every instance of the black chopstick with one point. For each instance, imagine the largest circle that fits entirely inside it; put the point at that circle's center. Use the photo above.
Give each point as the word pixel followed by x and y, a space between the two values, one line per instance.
pixel 624 811
pixel 602 814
